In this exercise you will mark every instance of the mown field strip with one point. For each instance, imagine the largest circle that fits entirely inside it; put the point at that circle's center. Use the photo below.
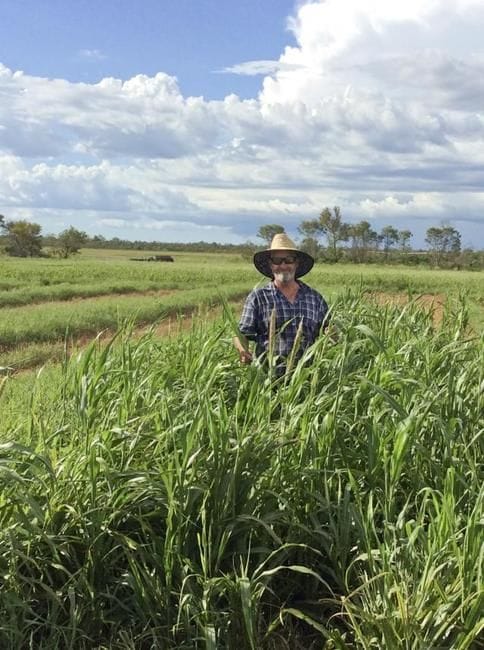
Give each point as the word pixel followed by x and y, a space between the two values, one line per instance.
pixel 53 321
pixel 28 356
pixel 64 292
pixel 29 273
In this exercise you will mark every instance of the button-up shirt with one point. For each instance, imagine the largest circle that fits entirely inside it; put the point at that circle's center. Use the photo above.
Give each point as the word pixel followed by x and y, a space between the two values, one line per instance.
pixel 309 307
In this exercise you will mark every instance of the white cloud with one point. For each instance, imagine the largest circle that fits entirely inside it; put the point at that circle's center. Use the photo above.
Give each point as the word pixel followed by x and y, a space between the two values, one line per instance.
pixel 253 68
pixel 378 108
pixel 92 55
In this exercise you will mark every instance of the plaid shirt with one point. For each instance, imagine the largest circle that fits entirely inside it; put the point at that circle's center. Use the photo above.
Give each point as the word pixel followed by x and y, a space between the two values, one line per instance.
pixel 309 307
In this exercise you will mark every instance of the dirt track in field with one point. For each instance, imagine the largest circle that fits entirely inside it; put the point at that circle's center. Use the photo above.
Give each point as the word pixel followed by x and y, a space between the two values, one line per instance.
pixel 170 326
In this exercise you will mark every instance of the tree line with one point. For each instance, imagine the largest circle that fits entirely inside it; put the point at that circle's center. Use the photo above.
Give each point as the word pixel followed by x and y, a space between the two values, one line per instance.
pixel 23 239
pixel 328 238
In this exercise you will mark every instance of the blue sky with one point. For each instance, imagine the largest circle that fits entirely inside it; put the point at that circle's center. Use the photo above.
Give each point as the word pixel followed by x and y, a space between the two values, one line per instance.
pixel 84 41
pixel 187 120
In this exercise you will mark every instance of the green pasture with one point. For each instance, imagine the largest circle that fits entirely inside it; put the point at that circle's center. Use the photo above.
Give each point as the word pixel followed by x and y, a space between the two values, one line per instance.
pixel 156 494
pixel 44 302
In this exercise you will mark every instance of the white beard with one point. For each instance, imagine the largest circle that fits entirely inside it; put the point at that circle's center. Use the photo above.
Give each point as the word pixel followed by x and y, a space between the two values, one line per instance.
pixel 284 277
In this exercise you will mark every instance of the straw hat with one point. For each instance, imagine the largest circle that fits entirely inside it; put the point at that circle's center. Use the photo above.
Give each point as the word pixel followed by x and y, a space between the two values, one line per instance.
pixel 281 242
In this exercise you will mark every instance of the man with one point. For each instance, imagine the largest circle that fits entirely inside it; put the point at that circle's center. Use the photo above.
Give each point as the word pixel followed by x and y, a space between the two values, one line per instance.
pixel 285 314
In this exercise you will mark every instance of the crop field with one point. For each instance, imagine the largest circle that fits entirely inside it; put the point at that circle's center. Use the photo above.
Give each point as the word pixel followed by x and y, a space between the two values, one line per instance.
pixel 46 304
pixel 156 494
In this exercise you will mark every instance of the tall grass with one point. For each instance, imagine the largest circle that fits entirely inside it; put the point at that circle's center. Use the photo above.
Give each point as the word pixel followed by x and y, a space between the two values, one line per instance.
pixel 170 498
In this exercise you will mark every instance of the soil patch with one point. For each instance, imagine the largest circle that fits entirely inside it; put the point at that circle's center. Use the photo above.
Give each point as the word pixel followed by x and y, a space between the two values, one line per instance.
pixel 434 303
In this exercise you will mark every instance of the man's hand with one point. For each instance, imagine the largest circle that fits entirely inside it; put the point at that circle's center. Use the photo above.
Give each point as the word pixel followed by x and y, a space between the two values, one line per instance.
pixel 245 357
pixel 332 333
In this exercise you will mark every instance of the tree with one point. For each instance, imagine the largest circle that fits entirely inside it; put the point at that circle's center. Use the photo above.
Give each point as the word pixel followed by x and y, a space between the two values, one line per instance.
pixel 268 231
pixel 329 225
pixel 23 238
pixel 99 241
pixel 389 236
pixel 444 243
pixel 2 228
pixel 70 241
pixel 309 243
pixel 404 237
pixel 363 238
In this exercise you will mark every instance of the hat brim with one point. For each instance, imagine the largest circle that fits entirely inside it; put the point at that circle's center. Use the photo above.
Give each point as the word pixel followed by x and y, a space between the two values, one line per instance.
pixel 263 265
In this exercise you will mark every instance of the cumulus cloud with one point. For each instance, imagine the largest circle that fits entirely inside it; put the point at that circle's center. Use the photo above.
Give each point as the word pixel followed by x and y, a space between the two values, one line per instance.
pixel 378 108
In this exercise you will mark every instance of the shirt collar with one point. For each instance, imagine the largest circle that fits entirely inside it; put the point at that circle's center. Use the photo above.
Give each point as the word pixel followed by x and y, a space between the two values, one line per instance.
pixel 272 287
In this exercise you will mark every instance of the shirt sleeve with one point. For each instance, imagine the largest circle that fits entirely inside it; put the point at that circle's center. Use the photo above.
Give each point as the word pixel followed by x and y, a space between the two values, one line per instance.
pixel 249 317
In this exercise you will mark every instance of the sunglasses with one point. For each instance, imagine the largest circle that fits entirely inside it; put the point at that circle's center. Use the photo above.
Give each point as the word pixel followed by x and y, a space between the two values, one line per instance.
pixel 290 259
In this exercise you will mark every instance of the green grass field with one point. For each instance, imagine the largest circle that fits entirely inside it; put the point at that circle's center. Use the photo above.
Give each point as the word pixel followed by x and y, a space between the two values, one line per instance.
pixel 156 494
pixel 45 302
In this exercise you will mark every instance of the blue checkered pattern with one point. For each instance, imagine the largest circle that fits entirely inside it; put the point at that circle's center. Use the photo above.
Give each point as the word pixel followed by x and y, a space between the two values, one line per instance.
pixel 309 306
